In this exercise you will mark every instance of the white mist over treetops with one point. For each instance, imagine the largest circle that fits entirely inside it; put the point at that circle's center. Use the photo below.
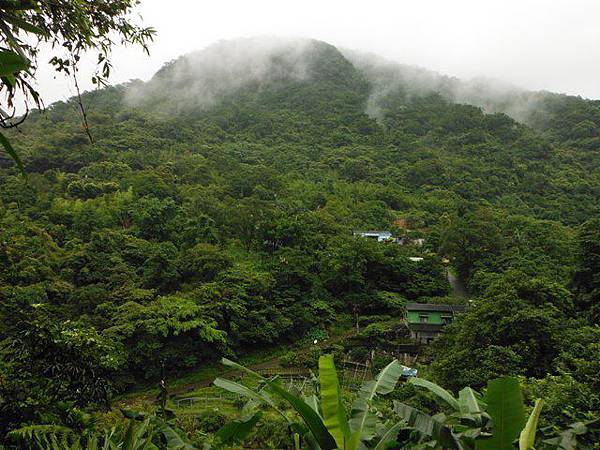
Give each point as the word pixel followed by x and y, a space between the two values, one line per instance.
pixel 201 79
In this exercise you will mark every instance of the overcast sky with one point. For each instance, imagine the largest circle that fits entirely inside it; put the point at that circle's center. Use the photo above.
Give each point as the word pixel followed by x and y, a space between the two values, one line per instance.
pixel 551 44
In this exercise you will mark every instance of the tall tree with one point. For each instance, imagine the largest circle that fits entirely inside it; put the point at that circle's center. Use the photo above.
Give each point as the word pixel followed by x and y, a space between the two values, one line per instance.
pixel 587 277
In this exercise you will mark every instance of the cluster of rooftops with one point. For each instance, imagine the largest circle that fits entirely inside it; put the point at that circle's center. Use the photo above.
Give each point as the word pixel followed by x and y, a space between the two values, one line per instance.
pixel 387 236
pixel 425 320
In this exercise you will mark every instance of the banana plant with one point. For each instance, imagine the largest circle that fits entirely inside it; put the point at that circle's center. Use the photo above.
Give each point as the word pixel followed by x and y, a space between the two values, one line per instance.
pixel 313 428
pixel 460 428
pixel 363 419
pixel 234 431
pixel 430 428
pixel 501 409
pixel 469 404
pixel 505 406
pixel 326 424
pixel 527 436
pixel 570 438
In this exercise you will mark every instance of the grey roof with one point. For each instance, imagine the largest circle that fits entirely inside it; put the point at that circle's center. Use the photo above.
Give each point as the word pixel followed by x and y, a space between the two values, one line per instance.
pixel 434 307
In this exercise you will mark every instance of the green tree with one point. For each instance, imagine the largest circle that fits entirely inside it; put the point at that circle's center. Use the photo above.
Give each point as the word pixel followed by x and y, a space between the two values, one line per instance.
pixel 202 263
pixel 73 26
pixel 504 332
pixel 44 362
pixel 473 241
pixel 170 332
pixel 586 280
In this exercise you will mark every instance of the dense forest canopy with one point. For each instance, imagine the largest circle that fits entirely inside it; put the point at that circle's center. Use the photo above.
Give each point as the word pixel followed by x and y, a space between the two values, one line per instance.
pixel 214 215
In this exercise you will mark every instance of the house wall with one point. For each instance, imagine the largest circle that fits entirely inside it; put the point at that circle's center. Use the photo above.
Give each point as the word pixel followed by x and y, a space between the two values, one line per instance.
pixel 432 317
pixel 423 337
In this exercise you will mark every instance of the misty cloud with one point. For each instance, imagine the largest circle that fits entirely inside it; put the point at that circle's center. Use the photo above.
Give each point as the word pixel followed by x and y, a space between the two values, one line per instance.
pixel 536 45
pixel 200 79
pixel 388 77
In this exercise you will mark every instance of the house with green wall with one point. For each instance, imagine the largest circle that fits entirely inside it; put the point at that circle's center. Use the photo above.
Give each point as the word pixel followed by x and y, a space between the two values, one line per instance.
pixel 426 320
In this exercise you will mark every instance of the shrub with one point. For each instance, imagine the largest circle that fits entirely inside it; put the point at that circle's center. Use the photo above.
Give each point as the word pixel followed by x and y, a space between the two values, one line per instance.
pixel 211 420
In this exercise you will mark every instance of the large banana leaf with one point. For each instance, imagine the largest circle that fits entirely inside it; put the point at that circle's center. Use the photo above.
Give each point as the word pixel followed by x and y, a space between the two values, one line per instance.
pixel 362 421
pixel 237 388
pixel 313 402
pixel 133 432
pixel 235 431
pixel 505 406
pixel 174 439
pixel 469 401
pixel 389 435
pixel 256 397
pixel 230 363
pixel 384 383
pixel 332 404
pixel 527 437
pixel 428 426
pixel 438 391
pixel 311 418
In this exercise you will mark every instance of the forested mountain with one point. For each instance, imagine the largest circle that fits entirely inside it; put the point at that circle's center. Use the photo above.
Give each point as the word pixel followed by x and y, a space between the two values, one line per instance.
pixel 214 212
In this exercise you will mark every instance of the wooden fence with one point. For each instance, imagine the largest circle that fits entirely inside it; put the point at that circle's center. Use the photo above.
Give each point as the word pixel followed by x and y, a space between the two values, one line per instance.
pixel 212 398
pixel 283 371
pixel 351 374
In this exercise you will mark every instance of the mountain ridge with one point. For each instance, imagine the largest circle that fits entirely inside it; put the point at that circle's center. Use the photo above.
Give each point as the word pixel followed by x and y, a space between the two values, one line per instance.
pixel 322 114
pixel 203 79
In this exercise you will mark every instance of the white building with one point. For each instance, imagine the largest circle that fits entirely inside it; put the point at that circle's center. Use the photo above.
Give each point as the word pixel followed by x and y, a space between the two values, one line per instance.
pixel 379 236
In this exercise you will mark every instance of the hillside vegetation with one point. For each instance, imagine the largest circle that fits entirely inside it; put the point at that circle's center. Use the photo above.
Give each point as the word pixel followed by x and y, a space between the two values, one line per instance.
pixel 214 215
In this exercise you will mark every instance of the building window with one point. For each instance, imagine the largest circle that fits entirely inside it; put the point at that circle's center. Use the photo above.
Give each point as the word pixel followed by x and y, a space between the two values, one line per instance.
pixel 423 318
pixel 446 320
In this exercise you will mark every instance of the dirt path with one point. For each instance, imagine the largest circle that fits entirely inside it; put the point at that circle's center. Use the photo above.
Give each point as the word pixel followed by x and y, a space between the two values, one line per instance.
pixel 458 287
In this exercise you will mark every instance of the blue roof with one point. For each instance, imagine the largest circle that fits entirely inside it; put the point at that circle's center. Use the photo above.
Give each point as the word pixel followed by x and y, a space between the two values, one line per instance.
pixel 409 372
